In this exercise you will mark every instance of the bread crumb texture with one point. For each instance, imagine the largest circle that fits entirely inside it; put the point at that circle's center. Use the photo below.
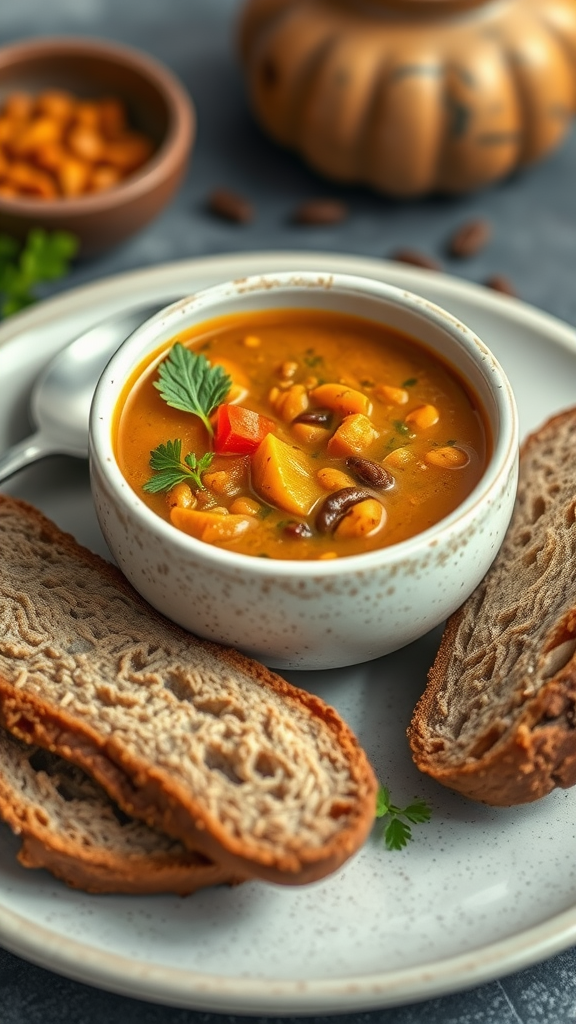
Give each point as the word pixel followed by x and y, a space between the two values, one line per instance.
pixel 497 720
pixel 197 740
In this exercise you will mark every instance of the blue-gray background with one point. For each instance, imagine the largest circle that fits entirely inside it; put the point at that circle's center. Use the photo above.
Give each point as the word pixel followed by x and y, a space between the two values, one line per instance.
pixel 534 243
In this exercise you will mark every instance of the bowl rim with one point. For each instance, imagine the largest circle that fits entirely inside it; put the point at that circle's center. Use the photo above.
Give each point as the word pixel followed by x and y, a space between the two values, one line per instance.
pixel 175 145
pixel 500 467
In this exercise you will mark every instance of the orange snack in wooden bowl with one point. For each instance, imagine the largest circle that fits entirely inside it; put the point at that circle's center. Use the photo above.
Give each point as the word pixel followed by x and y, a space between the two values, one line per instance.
pixel 101 133
pixel 54 144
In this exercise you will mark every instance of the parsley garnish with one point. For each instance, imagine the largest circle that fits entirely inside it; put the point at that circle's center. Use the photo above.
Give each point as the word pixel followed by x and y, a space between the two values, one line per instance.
pixel 397 832
pixel 45 256
pixel 189 383
pixel 166 461
pixel 410 382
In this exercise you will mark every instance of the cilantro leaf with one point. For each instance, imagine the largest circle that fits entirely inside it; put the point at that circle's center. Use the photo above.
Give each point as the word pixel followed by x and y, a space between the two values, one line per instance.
pixel 45 256
pixel 9 247
pixel 166 461
pixel 397 834
pixel 200 464
pixel 188 382
pixel 418 812
pixel 382 801
pixel 397 831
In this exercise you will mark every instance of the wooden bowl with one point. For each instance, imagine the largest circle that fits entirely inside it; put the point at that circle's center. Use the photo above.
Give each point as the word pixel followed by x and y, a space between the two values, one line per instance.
pixel 157 105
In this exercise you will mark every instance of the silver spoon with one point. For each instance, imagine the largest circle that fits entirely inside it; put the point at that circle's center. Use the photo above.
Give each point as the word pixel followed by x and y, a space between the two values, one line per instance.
pixel 62 394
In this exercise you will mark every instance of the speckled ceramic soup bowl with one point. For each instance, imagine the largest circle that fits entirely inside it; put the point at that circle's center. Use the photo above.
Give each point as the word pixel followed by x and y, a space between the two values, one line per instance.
pixel 313 614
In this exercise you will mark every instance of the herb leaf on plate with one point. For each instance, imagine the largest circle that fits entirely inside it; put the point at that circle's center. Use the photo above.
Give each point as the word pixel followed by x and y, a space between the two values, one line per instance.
pixel 397 831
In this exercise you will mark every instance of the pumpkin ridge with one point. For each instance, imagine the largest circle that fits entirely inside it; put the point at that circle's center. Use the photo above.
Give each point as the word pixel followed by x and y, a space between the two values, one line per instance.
pixel 409 165
pixel 254 21
pixel 568 51
pixel 443 133
pixel 364 144
pixel 284 129
pixel 483 116
pixel 339 103
pixel 312 73
pixel 528 89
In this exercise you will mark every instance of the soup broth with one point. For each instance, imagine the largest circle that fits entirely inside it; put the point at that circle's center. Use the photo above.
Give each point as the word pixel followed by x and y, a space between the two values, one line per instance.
pixel 333 436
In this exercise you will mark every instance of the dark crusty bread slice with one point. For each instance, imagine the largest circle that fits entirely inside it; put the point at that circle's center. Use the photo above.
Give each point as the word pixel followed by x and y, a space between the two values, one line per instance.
pixel 497 721
pixel 70 826
pixel 200 742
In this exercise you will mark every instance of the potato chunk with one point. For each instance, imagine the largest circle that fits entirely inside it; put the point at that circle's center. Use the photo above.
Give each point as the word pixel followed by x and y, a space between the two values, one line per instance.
pixel 341 398
pixel 210 526
pixel 353 437
pixel 281 476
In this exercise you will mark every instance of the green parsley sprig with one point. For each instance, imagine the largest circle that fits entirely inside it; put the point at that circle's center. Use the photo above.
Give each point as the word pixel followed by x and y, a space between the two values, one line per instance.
pixel 166 460
pixel 188 382
pixel 397 831
pixel 45 256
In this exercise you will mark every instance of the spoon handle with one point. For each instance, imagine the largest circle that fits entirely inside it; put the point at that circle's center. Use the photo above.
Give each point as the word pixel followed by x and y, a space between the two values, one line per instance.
pixel 21 454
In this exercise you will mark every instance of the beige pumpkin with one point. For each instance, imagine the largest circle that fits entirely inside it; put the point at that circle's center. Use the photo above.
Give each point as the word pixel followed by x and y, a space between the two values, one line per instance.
pixel 413 96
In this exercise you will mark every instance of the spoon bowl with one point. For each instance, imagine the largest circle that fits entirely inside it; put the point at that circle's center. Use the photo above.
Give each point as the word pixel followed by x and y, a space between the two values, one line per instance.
pixel 62 395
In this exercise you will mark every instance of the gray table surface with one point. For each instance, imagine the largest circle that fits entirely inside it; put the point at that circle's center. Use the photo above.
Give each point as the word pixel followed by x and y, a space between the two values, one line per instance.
pixel 534 244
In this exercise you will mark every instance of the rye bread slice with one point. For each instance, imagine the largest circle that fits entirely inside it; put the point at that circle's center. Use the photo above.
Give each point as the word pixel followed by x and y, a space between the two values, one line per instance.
pixel 497 721
pixel 196 740
pixel 69 825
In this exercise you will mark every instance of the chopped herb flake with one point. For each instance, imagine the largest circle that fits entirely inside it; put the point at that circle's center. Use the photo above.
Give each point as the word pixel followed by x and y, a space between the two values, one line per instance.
pixel 311 359
pixel 401 427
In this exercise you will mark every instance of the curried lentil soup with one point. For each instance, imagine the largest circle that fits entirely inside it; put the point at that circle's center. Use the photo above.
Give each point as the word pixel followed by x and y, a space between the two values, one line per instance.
pixel 324 435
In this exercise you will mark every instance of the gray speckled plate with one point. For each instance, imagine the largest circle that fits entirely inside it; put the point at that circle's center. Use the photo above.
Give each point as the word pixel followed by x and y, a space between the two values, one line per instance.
pixel 479 893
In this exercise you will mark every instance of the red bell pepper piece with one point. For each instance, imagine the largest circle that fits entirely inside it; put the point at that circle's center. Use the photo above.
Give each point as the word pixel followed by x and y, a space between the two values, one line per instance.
pixel 239 431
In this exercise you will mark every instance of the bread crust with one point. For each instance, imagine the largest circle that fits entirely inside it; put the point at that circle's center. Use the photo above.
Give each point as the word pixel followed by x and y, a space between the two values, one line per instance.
pixel 522 756
pixel 69 826
pixel 147 792
pixel 138 877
